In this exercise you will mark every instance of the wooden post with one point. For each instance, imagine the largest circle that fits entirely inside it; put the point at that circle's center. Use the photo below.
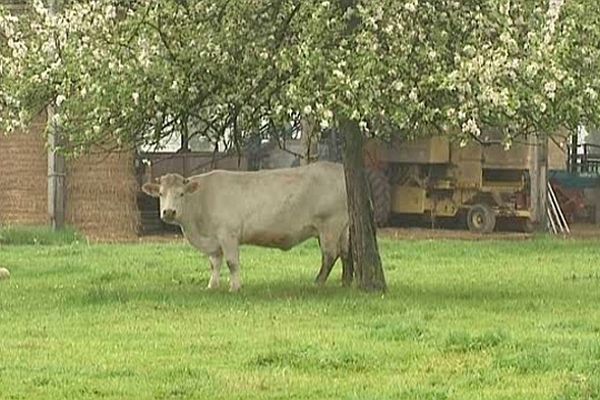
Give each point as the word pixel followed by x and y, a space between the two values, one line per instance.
pixel 538 172
pixel 56 175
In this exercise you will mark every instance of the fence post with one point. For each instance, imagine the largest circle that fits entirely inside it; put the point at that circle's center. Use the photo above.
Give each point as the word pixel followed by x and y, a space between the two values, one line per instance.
pixel 539 179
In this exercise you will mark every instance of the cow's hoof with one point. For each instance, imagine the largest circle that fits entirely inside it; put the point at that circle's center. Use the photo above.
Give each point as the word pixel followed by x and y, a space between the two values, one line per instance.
pixel 235 288
pixel 213 285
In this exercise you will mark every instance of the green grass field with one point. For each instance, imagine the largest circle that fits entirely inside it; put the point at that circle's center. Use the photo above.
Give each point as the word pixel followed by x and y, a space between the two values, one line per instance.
pixel 461 320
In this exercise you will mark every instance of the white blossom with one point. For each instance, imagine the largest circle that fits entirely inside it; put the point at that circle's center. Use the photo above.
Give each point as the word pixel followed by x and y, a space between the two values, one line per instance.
pixel 413 96
pixel 471 127
pixel 338 73
pixel 56 119
pixel 363 126
pixel 411 6
pixel 591 93
pixel 532 70
pixel 550 89
pixel 110 12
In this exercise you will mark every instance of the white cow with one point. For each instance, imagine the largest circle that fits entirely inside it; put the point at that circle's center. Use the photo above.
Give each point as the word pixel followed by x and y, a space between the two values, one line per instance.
pixel 221 210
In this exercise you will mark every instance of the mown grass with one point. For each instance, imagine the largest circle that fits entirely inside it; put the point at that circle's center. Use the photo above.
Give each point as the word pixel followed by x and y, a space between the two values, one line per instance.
pixel 461 320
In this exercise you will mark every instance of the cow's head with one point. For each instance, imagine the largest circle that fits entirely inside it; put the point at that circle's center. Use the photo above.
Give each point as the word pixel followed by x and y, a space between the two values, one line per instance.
pixel 172 191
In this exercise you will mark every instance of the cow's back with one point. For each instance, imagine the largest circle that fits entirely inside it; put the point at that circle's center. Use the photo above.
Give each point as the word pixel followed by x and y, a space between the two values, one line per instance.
pixel 276 208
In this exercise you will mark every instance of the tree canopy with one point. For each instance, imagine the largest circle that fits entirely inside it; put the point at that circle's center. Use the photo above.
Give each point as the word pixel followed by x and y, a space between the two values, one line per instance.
pixel 131 71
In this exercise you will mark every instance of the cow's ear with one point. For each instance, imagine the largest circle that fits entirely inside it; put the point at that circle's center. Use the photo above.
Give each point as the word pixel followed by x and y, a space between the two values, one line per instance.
pixel 151 189
pixel 192 187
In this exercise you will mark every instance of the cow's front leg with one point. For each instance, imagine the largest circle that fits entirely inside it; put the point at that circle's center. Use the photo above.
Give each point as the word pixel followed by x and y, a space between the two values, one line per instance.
pixel 215 266
pixel 231 252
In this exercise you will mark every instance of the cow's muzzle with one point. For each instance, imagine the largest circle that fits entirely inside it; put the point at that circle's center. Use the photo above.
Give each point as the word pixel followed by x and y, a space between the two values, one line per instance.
pixel 168 215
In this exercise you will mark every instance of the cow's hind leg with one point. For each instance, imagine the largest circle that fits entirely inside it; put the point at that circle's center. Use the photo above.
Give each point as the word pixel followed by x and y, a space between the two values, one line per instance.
pixel 231 252
pixel 215 265
pixel 347 264
pixel 329 256
pixel 327 263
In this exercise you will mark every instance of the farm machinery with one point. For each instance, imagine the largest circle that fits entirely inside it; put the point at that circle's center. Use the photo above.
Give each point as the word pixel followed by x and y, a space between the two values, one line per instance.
pixel 434 179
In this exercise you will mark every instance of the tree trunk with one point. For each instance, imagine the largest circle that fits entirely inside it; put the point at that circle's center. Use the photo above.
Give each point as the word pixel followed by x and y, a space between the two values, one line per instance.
pixel 364 251
pixel 56 161
pixel 56 175
pixel 308 140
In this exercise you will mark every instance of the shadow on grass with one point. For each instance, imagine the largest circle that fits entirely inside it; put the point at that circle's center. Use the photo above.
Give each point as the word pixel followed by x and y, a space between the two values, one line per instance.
pixel 194 293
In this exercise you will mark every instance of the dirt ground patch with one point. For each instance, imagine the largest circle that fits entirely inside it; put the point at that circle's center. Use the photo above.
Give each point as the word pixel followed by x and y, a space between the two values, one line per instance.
pixel 578 231
pixel 425 233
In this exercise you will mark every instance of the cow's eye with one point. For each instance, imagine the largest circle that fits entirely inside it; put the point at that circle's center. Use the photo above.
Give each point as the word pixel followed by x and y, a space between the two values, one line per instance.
pixel 181 194
pixel 160 194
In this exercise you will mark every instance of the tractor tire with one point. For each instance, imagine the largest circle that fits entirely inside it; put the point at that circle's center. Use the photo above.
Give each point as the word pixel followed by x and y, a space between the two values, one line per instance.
pixel 381 196
pixel 481 219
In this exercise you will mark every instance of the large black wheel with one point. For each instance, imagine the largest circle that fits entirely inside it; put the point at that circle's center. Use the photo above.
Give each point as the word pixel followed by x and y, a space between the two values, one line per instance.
pixel 481 218
pixel 381 195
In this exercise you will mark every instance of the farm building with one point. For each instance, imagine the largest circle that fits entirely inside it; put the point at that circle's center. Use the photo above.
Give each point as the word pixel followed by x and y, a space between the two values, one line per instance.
pixel 102 191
